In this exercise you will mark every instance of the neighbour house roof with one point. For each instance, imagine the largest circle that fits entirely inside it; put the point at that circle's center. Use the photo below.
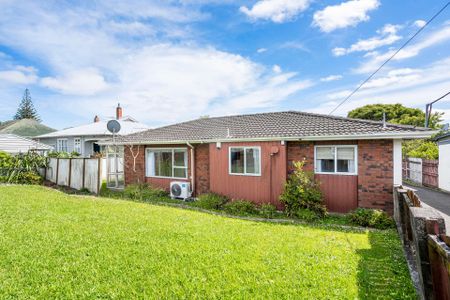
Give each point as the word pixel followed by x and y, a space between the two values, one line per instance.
pixel 12 143
pixel 25 127
pixel 443 136
pixel 128 126
pixel 288 125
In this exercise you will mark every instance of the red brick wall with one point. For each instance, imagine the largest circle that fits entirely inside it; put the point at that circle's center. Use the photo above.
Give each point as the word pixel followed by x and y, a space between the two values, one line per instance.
pixel 132 176
pixel 297 151
pixel 201 169
pixel 375 174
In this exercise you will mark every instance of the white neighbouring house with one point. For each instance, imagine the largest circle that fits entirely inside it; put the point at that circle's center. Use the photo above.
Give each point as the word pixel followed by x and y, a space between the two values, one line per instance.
pixel 444 161
pixel 14 144
pixel 85 139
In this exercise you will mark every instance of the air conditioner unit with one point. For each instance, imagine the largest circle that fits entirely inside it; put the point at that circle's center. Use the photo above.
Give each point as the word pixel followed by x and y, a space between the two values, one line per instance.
pixel 180 190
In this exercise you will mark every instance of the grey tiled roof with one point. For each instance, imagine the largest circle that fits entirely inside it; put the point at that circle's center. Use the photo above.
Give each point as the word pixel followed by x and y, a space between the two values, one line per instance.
pixel 265 125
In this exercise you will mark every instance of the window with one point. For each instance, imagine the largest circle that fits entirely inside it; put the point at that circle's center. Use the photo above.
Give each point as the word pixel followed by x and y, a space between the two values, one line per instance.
pixel 170 163
pixel 114 167
pixel 77 145
pixel 336 159
pixel 61 145
pixel 245 161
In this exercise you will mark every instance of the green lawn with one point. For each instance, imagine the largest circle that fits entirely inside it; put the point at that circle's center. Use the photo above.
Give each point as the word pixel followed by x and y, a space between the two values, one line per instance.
pixel 53 245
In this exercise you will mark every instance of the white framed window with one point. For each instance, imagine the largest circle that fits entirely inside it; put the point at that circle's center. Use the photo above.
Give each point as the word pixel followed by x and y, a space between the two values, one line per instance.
pixel 167 162
pixel 341 159
pixel 115 167
pixel 244 161
pixel 61 145
pixel 77 145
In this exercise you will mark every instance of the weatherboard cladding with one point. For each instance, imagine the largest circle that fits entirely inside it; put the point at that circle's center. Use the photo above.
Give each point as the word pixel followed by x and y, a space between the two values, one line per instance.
pixel 265 125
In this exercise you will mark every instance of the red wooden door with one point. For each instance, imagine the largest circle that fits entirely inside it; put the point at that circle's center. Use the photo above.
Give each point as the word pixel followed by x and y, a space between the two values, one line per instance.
pixel 339 191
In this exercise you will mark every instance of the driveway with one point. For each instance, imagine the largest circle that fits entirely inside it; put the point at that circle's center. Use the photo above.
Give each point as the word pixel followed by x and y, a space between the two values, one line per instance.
pixel 436 199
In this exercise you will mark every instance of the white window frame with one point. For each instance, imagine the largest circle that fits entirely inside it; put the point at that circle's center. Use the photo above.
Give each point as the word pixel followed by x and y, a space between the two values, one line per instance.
pixel 147 170
pixel 245 160
pixel 75 145
pixel 355 147
pixel 58 149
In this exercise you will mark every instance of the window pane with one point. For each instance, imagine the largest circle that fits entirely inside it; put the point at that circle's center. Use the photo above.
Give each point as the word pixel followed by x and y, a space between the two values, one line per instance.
pixel 237 160
pixel 180 158
pixel 346 160
pixel 163 163
pixel 180 172
pixel 325 153
pixel 252 160
pixel 325 165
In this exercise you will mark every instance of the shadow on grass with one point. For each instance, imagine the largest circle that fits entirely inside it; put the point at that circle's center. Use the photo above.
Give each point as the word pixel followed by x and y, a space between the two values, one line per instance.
pixel 382 270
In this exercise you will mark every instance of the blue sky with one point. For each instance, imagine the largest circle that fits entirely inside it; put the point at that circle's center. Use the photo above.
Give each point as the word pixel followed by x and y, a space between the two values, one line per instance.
pixel 169 61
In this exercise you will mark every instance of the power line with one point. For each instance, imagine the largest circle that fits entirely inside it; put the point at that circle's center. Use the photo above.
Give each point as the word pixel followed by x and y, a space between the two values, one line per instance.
pixel 429 106
pixel 391 57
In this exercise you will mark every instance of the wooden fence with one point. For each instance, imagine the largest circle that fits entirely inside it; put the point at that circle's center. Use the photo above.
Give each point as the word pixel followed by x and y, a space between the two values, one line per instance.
pixel 77 173
pixel 423 233
pixel 422 171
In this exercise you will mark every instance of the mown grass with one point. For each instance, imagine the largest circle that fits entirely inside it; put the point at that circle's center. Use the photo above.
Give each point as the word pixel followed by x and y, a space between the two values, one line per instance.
pixel 54 245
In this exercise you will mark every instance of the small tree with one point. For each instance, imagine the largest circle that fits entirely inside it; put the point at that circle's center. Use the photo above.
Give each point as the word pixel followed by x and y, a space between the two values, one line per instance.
pixel 26 108
pixel 301 192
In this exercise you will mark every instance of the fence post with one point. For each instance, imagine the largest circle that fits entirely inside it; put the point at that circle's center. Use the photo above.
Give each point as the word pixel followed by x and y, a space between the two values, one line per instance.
pixel 84 170
pixel 99 174
pixel 423 222
pixel 57 170
pixel 70 171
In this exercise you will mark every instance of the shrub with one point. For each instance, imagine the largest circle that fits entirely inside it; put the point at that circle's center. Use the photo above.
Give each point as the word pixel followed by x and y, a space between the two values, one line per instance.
pixel 240 207
pixel 22 168
pixel 268 210
pixel 301 191
pixel 371 218
pixel 29 177
pixel 143 192
pixel 211 201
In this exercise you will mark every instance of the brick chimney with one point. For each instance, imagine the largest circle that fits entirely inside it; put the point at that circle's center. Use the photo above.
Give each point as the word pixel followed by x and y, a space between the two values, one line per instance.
pixel 96 119
pixel 118 112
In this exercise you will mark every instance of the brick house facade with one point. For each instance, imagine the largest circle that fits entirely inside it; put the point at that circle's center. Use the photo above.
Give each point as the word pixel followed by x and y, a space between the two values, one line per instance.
pixel 373 184
pixel 356 162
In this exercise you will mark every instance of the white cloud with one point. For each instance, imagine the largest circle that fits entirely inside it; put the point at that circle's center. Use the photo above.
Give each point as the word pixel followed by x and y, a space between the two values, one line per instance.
pixel 419 23
pixel 331 78
pixel 278 11
pixel 84 82
pixel 294 45
pixel 411 87
pixel 375 59
pixel 261 50
pixel 386 36
pixel 156 81
pixel 276 69
pixel 344 15
pixel 19 75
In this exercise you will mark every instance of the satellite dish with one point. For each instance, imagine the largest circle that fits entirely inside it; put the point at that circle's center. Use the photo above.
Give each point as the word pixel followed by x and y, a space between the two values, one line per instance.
pixel 113 126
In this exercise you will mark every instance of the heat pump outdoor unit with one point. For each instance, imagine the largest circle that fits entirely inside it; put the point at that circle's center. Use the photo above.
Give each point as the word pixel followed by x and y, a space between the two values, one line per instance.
pixel 180 190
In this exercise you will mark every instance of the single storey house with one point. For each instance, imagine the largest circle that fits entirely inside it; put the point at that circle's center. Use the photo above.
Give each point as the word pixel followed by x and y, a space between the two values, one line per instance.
pixel 250 156
pixel 14 144
pixel 85 139
pixel 444 161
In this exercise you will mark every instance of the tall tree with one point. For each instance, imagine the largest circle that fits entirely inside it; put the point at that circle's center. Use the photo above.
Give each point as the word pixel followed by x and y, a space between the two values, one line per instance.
pixel 26 108
pixel 396 113
pixel 399 114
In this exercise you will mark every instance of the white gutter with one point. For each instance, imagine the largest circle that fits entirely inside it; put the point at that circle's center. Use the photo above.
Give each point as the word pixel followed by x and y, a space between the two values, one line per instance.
pixel 192 167
pixel 373 136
